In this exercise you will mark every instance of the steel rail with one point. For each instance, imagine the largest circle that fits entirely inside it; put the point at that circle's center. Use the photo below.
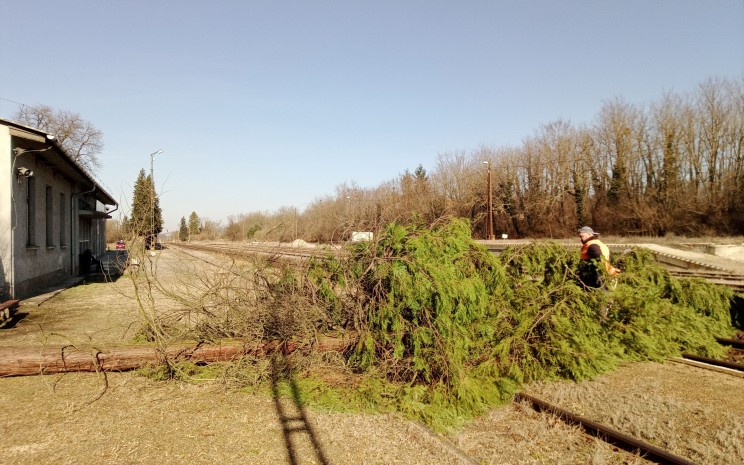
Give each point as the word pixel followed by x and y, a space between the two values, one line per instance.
pixel 622 440
pixel 271 251
pixel 708 366
pixel 736 343
pixel 734 281
pixel 220 266
pixel 716 362
pixel 708 274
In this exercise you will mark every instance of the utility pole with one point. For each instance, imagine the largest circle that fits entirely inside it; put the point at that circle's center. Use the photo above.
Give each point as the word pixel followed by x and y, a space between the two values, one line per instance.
pixel 151 240
pixel 489 225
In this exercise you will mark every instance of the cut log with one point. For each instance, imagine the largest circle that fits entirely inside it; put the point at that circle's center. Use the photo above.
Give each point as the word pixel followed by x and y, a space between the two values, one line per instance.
pixel 25 361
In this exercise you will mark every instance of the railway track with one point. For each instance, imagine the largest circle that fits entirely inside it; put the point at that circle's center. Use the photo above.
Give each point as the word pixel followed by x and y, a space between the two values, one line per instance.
pixel 683 265
pixel 735 343
pixel 606 433
pixel 630 442
pixel 715 362
pixel 734 281
pixel 680 263
pixel 678 266
pixel 270 252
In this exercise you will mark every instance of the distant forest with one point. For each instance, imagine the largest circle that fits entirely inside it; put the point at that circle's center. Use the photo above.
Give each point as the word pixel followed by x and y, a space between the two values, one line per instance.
pixel 675 166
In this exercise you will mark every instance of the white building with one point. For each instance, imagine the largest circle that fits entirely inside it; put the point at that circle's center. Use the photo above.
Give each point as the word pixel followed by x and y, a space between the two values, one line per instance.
pixel 51 210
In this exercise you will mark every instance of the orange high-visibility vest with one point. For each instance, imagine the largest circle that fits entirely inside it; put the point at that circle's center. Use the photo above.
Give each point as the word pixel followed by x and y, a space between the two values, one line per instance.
pixel 604 250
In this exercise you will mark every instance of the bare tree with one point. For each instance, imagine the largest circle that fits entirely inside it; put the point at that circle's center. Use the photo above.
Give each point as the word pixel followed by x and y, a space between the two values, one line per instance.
pixel 675 166
pixel 735 145
pixel 80 139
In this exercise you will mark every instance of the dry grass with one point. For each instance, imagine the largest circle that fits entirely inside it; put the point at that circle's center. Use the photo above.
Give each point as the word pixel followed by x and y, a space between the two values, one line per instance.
pixel 90 313
pixel 689 411
pixel 139 421
pixel 516 434
pixel 126 418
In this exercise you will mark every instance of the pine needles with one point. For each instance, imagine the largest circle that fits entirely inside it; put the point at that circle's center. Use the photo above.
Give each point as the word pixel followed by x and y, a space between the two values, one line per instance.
pixel 460 329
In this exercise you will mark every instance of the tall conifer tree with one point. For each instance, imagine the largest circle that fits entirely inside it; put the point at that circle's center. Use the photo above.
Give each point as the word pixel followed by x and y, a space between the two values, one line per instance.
pixel 140 205
pixel 183 230
pixel 147 218
pixel 194 224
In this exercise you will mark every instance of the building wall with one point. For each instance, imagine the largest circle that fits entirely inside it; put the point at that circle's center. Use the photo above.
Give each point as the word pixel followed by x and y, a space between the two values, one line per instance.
pixel 30 262
pixel 49 254
pixel 6 243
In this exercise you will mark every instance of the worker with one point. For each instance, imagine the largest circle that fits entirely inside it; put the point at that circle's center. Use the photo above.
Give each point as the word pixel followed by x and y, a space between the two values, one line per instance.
pixel 595 259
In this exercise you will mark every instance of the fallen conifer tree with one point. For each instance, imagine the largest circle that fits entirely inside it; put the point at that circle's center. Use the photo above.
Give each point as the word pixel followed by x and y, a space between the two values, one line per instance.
pixel 436 325
pixel 439 313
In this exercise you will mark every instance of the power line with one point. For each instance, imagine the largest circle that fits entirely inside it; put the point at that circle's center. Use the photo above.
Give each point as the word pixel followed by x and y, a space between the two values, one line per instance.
pixel 13 101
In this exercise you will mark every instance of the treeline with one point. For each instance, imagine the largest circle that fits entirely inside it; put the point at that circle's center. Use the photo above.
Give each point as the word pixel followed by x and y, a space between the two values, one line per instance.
pixel 673 166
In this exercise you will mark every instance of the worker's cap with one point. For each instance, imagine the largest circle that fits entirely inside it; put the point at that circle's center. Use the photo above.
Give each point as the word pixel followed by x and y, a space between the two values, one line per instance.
pixel 588 230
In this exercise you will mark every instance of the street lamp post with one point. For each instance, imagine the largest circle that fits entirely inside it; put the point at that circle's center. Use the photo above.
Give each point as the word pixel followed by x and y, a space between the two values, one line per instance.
pixel 152 197
pixel 489 225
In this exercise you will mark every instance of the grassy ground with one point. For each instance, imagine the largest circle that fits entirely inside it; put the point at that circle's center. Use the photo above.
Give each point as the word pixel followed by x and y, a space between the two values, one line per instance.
pixel 692 412
pixel 127 418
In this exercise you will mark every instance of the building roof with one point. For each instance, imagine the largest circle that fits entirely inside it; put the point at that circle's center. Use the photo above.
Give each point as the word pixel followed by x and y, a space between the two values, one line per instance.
pixel 72 167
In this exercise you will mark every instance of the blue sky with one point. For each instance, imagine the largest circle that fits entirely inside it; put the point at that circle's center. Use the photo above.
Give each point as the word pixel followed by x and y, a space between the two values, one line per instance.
pixel 263 104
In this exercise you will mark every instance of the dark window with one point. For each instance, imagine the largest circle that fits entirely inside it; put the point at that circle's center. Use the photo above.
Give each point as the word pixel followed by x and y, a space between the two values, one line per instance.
pixel 49 216
pixel 31 211
pixel 62 222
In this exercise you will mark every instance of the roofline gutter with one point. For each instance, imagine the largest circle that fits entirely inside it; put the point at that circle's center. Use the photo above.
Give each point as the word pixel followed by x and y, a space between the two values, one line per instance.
pixel 51 139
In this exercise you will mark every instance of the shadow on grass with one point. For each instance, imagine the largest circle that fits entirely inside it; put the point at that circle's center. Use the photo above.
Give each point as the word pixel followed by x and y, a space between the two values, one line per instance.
pixel 293 417
pixel 13 321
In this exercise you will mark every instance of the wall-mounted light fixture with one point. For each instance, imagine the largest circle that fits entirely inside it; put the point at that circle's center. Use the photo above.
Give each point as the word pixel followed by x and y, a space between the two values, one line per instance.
pixel 24 172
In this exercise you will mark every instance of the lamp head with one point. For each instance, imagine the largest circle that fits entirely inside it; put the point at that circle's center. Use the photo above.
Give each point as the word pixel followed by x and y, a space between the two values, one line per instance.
pixel 24 172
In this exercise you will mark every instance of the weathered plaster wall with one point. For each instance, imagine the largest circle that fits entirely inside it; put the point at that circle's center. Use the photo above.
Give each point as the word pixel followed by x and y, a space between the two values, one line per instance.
pixel 47 258
pixel 5 213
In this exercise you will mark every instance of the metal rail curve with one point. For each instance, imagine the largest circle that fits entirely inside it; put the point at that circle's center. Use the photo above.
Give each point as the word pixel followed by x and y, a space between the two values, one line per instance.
pixel 622 440
pixel 716 362
pixel 735 343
